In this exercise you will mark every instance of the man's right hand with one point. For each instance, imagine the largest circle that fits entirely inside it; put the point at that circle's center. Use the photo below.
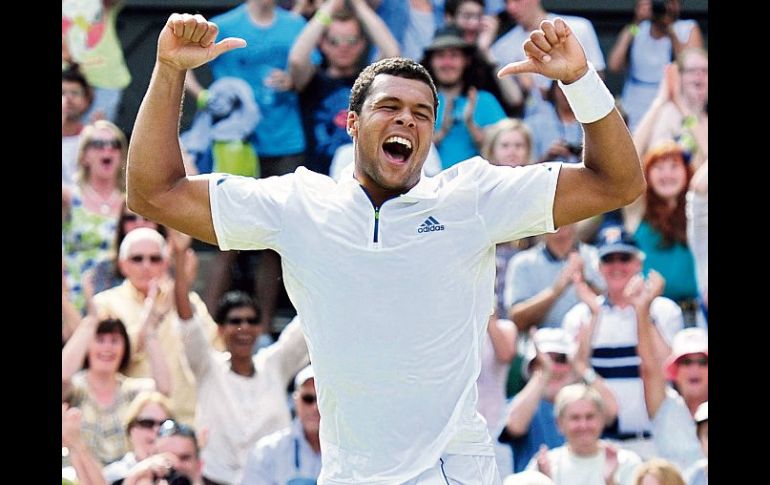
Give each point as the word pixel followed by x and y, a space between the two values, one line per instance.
pixel 187 41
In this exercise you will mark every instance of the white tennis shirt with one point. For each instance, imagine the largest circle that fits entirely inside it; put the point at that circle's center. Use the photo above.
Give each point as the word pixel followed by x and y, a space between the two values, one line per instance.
pixel 394 302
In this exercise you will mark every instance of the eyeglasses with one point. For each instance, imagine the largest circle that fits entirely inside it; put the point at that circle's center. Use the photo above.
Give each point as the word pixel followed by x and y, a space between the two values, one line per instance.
pixel 98 144
pixel 170 427
pixel 308 398
pixel 349 40
pixel 240 320
pixel 148 423
pixel 695 70
pixel 701 361
pixel 558 358
pixel 73 93
pixel 469 16
pixel 614 257
pixel 152 258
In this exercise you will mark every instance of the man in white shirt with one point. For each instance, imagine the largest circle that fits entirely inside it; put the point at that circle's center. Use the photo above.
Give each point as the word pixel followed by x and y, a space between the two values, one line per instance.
pixel 293 454
pixel 392 273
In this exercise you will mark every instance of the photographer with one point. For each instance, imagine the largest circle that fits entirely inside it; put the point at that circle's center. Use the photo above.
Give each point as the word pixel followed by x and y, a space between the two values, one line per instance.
pixel 557 134
pixel 176 462
pixel 653 39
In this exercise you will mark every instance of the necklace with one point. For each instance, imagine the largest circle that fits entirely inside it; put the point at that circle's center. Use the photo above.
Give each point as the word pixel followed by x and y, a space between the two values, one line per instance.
pixel 105 203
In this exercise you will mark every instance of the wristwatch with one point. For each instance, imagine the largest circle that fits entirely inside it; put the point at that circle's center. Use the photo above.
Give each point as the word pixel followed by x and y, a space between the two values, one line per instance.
pixel 589 376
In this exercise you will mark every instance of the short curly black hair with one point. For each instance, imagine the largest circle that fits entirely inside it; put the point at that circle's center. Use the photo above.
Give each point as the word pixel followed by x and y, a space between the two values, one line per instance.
pixel 233 299
pixel 395 66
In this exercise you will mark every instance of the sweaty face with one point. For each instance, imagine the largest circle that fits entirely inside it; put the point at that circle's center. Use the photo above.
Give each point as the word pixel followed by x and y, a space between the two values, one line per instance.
pixel 510 149
pixel 392 135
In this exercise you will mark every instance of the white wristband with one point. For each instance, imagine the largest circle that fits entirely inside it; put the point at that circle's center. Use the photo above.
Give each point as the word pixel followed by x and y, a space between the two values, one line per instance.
pixel 589 97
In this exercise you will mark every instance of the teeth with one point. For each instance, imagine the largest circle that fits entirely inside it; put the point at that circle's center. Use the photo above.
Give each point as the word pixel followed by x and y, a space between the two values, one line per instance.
pixel 398 139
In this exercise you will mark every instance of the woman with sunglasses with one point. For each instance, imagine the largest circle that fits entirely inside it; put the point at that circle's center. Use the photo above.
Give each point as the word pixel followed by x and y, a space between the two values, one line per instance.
pixel 90 209
pixel 145 414
pixel 241 396
pixel 94 360
pixel 672 408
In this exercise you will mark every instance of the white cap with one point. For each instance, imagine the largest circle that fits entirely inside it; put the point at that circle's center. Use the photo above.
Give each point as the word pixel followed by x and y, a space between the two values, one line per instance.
pixel 303 375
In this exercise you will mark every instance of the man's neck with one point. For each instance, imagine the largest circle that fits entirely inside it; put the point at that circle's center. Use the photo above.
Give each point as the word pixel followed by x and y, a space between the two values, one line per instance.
pixel 560 250
pixel 243 366
pixel 71 128
pixel 262 12
pixel 618 298
pixel 336 72
pixel 313 440
pixel 451 90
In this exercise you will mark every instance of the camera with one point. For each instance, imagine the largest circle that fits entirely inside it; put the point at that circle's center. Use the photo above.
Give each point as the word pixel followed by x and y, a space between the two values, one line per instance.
pixel 174 477
pixel 575 148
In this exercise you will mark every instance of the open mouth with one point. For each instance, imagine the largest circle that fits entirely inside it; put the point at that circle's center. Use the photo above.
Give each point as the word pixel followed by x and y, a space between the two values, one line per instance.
pixel 106 161
pixel 397 148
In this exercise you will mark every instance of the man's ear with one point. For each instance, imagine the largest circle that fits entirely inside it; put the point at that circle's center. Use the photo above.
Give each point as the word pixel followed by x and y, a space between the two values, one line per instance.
pixel 352 124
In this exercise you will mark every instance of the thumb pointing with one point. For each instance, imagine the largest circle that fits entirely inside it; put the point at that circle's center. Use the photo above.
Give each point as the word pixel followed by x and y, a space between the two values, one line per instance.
pixel 228 44
pixel 517 68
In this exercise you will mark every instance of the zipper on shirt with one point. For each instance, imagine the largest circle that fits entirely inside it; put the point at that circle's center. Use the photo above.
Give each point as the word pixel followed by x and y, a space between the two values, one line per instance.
pixel 375 240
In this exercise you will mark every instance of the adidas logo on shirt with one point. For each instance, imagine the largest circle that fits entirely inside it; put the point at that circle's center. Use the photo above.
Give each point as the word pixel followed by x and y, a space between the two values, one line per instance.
pixel 430 225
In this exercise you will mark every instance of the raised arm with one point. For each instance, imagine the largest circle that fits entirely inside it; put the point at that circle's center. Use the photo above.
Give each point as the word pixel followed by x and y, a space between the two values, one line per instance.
pixel 157 185
pixel 301 68
pixel 376 29
pixel 641 294
pixel 611 175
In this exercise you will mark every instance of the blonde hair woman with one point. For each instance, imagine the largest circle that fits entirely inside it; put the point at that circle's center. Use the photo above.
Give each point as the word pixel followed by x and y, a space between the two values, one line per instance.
pixel 508 142
pixel 91 208
pixel 657 471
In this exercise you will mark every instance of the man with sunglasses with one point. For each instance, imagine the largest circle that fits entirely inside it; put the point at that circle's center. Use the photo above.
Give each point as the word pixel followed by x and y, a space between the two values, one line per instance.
pixel 342 35
pixel 292 455
pixel 392 273
pixel 241 395
pixel 143 257
pixel 612 319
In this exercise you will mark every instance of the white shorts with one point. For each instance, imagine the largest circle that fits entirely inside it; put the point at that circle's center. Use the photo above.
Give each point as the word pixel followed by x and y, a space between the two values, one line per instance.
pixel 460 469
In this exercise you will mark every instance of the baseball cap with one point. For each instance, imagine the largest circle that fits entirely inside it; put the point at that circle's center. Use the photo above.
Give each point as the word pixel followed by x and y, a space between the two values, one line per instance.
pixel 614 239
pixel 548 339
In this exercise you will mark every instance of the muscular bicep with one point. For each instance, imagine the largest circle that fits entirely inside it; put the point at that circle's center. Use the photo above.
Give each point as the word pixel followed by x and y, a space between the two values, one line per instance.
pixel 186 208
pixel 580 194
